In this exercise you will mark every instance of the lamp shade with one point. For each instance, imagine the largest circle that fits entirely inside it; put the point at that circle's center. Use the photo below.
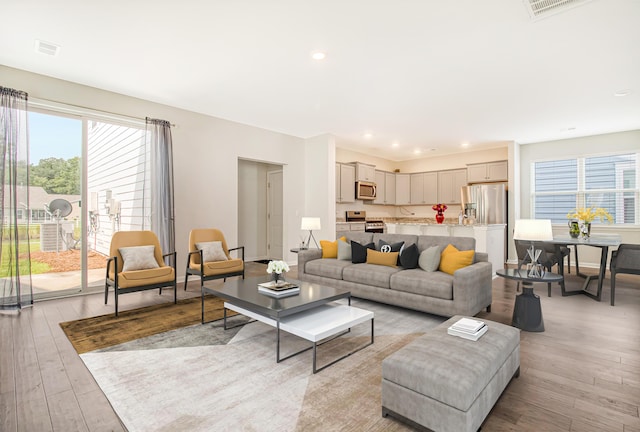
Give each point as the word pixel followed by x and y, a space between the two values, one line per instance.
pixel 533 229
pixel 310 223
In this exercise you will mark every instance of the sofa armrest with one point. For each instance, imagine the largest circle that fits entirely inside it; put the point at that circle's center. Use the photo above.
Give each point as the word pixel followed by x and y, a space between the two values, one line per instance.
pixel 306 255
pixel 472 286
pixel 481 257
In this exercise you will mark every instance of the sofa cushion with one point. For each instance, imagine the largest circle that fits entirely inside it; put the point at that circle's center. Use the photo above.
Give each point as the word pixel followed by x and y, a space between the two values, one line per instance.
pixel 344 250
pixel 384 246
pixel 461 243
pixel 429 259
pixel 326 267
pixel 452 259
pixel 330 248
pixel 395 238
pixel 417 281
pixel 382 258
pixel 359 252
pixel 409 256
pixel 369 274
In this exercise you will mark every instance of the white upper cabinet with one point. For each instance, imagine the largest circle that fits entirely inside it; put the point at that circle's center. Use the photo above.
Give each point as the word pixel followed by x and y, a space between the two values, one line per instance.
pixel 365 172
pixel 449 184
pixel 424 188
pixel 488 172
pixel 345 183
pixel 385 188
pixel 403 189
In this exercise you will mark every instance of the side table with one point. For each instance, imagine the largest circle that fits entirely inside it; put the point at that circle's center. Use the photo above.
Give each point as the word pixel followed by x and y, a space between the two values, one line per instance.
pixel 527 311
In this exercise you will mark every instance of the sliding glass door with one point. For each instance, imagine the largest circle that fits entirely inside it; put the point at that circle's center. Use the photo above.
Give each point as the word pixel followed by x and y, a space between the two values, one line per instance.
pixel 88 179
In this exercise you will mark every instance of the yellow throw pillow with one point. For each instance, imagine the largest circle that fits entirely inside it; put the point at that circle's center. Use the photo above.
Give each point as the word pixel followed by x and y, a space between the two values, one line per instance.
pixel 382 258
pixel 452 259
pixel 330 248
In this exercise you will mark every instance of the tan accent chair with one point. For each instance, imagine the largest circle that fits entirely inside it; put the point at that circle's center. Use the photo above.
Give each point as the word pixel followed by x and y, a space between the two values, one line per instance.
pixel 138 280
pixel 624 260
pixel 215 269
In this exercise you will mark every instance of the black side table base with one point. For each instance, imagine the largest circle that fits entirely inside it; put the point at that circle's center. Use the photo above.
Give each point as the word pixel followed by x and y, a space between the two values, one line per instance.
pixel 527 311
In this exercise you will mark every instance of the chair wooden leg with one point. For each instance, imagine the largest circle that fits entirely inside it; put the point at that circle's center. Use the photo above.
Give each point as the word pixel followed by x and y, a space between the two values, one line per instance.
pixel 106 293
pixel 549 290
pixel 186 278
pixel 115 292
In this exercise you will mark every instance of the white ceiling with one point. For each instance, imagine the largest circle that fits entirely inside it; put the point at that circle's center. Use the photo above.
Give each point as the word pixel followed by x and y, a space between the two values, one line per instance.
pixel 426 74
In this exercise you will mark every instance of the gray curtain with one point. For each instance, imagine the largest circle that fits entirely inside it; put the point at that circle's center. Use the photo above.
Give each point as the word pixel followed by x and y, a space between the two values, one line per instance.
pixel 15 262
pixel 159 144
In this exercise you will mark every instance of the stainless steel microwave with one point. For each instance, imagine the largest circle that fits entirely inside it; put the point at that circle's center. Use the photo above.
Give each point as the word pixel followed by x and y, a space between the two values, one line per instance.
pixel 365 190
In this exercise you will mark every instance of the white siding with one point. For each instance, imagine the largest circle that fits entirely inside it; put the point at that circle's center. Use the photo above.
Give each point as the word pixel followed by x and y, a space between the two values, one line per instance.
pixel 116 162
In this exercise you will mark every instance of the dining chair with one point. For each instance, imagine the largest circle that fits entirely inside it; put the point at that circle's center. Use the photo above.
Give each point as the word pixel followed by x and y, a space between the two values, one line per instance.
pixel 624 260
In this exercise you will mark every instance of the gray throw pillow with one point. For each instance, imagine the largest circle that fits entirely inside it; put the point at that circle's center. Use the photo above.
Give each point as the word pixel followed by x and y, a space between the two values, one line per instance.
pixel 212 251
pixel 430 259
pixel 344 250
pixel 138 258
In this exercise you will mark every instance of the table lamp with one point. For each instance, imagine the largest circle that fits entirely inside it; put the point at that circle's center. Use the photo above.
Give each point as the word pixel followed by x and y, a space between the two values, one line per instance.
pixel 310 223
pixel 533 230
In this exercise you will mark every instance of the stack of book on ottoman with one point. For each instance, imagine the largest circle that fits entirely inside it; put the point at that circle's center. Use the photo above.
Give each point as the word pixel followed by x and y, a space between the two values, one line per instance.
pixel 468 328
pixel 278 289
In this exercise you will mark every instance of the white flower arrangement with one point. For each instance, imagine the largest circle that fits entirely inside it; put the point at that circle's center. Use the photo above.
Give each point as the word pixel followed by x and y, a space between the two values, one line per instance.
pixel 278 267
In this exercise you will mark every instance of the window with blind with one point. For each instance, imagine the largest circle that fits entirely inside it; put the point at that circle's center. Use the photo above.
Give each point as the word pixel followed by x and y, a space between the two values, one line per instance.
pixel 610 182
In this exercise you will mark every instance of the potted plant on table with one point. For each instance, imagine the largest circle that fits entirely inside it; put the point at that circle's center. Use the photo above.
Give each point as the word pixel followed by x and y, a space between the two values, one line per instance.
pixel 277 269
pixel 586 215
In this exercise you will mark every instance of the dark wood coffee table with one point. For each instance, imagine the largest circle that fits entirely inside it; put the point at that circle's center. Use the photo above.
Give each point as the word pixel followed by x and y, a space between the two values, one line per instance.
pixel 527 312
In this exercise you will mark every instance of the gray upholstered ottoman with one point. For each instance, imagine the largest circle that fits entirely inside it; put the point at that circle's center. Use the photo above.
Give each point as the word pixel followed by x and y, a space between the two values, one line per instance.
pixel 445 383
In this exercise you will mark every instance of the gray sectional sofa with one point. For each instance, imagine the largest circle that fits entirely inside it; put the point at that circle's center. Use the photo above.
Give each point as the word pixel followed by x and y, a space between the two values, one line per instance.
pixel 466 292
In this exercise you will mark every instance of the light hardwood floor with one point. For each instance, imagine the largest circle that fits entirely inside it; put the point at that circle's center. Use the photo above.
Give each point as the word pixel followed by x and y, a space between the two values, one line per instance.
pixel 581 374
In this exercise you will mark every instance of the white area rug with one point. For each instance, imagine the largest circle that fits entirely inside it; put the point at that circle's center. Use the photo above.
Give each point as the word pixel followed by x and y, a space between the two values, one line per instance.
pixel 237 386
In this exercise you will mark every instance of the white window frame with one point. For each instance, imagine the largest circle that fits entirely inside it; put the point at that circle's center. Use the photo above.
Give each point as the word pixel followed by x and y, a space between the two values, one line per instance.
pixel 582 192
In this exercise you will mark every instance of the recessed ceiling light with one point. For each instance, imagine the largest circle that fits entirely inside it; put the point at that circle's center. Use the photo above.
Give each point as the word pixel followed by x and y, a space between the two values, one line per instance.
pixel 47 48
pixel 319 55
pixel 465 144
pixel 367 135
pixel 417 151
pixel 624 92
pixel 395 144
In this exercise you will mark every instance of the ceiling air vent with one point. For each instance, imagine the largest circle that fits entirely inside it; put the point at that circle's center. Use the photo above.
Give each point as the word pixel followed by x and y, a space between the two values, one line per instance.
pixel 47 48
pixel 542 8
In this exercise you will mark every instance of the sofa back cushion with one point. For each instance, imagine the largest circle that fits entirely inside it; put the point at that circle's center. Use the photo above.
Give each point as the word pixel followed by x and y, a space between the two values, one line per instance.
pixel 461 243
pixel 408 239
pixel 356 236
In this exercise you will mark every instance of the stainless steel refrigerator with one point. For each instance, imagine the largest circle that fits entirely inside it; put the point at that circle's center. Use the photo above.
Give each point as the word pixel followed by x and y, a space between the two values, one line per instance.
pixel 490 201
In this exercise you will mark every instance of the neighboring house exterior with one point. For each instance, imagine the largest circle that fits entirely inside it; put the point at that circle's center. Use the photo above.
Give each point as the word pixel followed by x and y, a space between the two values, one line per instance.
pixel 39 201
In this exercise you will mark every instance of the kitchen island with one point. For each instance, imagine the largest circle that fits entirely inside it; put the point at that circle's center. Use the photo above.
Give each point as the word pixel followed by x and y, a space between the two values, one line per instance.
pixel 489 238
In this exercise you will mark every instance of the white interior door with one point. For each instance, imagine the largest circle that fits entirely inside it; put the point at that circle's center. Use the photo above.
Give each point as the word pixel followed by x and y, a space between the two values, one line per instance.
pixel 275 243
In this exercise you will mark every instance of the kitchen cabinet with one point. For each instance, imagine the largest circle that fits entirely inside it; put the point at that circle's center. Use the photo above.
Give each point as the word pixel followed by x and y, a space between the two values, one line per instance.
pixel 424 188
pixel 403 189
pixel 385 188
pixel 488 172
pixel 449 184
pixel 345 183
pixel 365 172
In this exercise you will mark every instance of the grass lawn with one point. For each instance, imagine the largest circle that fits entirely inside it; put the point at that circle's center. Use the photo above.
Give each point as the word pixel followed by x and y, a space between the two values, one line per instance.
pixel 36 266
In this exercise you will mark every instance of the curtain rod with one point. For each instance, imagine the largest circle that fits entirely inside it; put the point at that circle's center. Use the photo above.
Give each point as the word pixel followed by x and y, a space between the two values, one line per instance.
pixel 42 103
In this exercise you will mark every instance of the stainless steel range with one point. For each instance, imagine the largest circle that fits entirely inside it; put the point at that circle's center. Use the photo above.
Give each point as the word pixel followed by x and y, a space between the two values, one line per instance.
pixel 374 226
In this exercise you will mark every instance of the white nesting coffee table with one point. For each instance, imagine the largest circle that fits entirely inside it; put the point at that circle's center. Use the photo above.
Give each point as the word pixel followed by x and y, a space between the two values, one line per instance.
pixel 312 314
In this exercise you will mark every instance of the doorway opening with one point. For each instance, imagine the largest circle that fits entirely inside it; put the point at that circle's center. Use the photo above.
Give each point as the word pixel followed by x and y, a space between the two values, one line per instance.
pixel 260 210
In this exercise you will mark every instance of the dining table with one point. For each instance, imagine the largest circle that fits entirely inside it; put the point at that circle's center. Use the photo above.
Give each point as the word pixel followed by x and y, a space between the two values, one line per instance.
pixel 604 242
